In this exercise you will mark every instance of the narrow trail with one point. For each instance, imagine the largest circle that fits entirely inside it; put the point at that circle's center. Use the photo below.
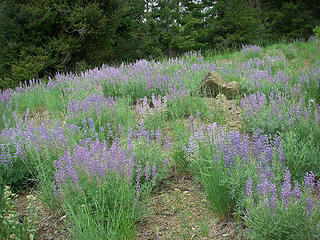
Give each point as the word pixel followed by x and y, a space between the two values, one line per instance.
pixel 178 210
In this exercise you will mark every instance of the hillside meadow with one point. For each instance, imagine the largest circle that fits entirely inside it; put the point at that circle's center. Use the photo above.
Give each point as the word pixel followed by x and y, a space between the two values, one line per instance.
pixel 96 147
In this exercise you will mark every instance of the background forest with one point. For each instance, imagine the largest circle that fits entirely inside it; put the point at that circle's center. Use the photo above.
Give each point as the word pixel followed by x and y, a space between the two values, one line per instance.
pixel 40 37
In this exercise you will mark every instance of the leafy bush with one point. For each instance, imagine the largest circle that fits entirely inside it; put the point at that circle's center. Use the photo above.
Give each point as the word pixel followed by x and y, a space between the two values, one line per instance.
pixel 316 31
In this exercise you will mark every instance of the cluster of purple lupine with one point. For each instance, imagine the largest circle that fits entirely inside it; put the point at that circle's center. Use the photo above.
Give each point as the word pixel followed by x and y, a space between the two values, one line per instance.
pixel 156 75
pixel 260 78
pixel 253 103
pixel 282 108
pixel 95 102
pixel 159 105
pixel 6 95
pixel 151 75
pixel 95 159
pixel 266 62
pixel 230 147
pixel 248 49
pixel 29 135
pixel 270 197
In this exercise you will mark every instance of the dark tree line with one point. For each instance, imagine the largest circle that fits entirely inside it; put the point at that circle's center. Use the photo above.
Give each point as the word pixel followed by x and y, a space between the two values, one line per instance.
pixel 41 37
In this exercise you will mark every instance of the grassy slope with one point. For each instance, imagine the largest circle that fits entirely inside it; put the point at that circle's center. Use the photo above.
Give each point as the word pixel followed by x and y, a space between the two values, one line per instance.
pixel 179 79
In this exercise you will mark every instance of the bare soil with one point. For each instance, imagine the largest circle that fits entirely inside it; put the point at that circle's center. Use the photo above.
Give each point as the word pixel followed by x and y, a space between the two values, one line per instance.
pixel 178 210
pixel 50 226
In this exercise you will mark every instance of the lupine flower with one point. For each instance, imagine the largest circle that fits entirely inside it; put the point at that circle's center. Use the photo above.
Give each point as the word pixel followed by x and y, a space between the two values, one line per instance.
pixel 247 49
pixel 191 118
pixel 309 181
pixel 147 171
pixel 297 192
pixel 286 188
pixel 168 143
pixel 138 186
pixel 309 203
pixel 249 188
pixel 273 198
pixel 158 135
pixel 263 188
pixel 154 172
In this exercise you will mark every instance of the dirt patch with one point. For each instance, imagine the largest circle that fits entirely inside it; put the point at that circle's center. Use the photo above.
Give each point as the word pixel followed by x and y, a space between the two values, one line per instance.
pixel 50 226
pixel 178 210
pixel 226 229
pixel 38 116
pixel 229 108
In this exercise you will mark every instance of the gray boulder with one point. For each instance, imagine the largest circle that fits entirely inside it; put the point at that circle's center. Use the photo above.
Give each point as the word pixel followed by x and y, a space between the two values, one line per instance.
pixel 214 83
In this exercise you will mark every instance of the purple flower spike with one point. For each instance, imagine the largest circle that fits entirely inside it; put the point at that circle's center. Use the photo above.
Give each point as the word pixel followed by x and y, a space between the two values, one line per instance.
pixel 147 172
pixel 191 118
pixel 249 188
pixel 263 188
pixel 297 192
pixel 309 181
pixel 168 143
pixel 158 135
pixel 273 198
pixel 138 186
pixel 154 172
pixel 309 203
pixel 286 188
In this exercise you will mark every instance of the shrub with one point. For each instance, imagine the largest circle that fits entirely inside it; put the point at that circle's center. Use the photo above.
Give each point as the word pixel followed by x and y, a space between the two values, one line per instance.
pixel 316 31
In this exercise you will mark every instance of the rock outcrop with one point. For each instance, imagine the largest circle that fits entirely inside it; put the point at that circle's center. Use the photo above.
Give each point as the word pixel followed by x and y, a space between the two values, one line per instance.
pixel 214 83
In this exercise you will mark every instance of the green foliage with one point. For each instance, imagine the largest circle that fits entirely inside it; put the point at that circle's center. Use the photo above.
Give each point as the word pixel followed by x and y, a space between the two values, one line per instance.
pixel 53 36
pixel 16 173
pixel 284 221
pixel 183 107
pixel 230 27
pixel 266 121
pixel 151 154
pixel 130 90
pixel 11 226
pixel 316 31
pixel 305 154
pixel 224 187
pixel 181 133
pixel 103 210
